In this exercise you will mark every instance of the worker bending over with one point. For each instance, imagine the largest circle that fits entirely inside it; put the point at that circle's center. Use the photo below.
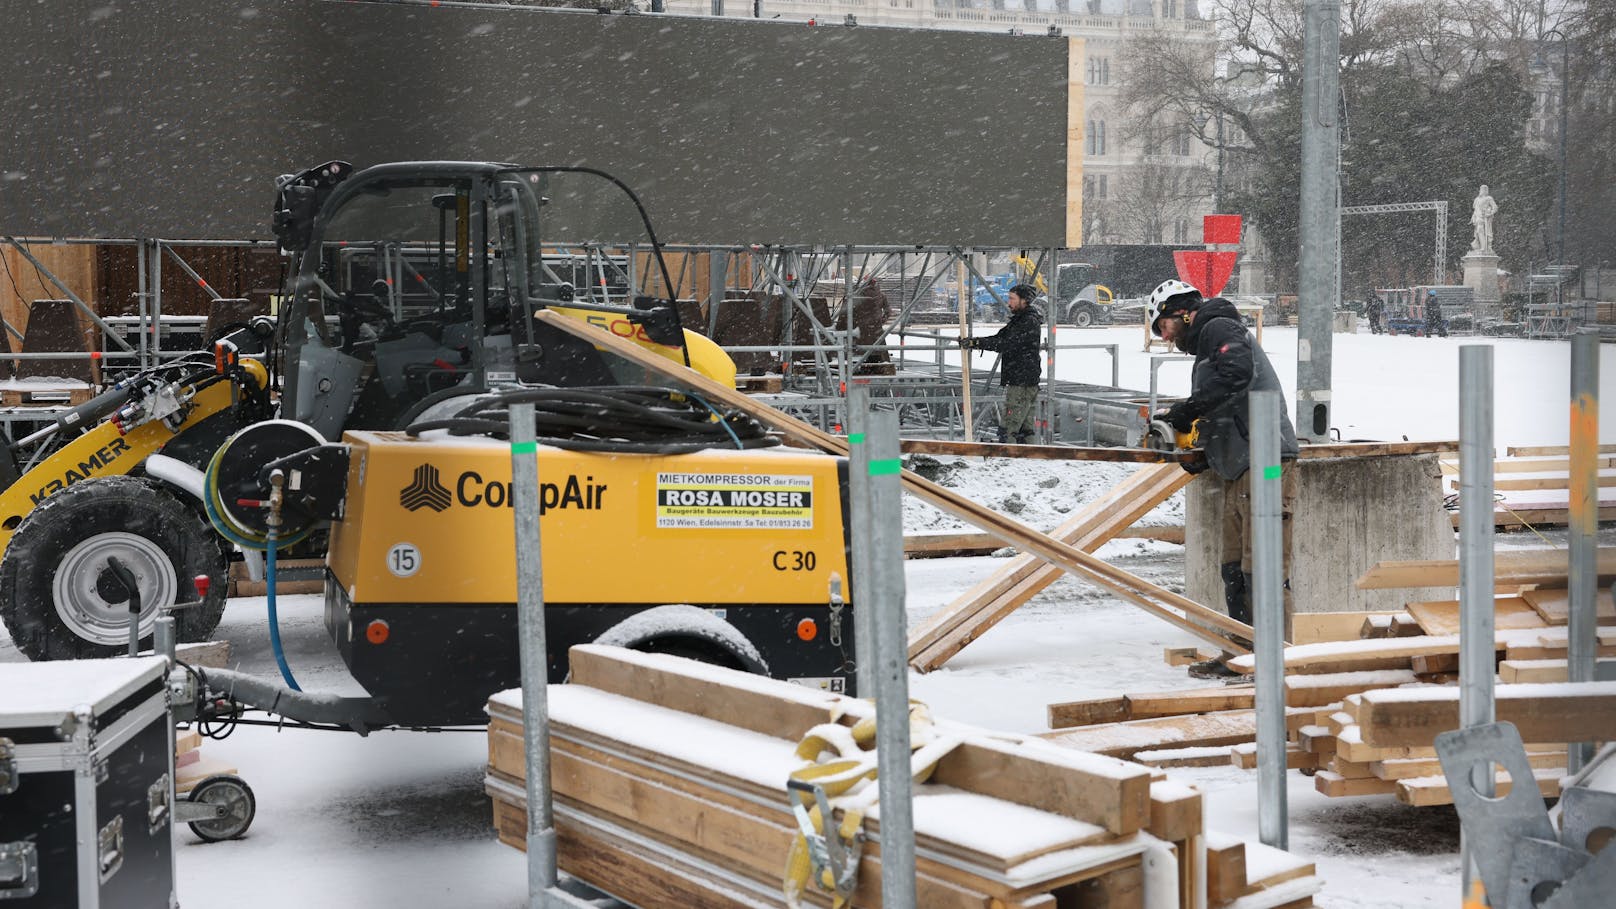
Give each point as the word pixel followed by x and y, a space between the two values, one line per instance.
pixel 1228 367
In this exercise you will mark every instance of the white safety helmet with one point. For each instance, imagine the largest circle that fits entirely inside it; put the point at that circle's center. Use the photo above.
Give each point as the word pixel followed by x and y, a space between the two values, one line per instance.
pixel 1164 292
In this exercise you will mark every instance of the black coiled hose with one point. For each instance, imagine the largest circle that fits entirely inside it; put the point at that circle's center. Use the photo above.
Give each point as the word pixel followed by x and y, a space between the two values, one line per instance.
pixel 610 418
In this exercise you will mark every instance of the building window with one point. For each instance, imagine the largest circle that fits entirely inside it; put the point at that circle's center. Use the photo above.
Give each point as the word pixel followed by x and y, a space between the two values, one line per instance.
pixel 1099 186
pixel 1095 144
pixel 1099 71
pixel 1169 8
pixel 1181 231
pixel 1181 144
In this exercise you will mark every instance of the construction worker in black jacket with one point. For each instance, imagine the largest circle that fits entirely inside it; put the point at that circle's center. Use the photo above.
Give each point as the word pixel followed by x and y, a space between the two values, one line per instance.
pixel 1017 344
pixel 1228 366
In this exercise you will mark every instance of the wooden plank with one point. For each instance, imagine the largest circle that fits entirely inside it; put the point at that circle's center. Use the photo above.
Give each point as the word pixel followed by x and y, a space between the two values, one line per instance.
pixel 1089 712
pixel 1183 656
pixel 1215 756
pixel 1531 465
pixel 1546 567
pixel 948 630
pixel 1112 794
pixel 1411 768
pixel 1519 672
pixel 1315 740
pixel 1541 451
pixel 1046 452
pixel 1225 870
pixel 187 740
pixel 1244 756
pixel 186 778
pixel 1125 739
pixel 1433 790
pixel 977 543
pixel 1171 607
pixel 1506 516
pixel 1196 700
pixel 769 706
pixel 1151 705
pixel 1123 888
pixel 1376 449
pixel 1327 688
pixel 1352 770
pixel 1313 627
pixel 1442 616
pixel 1560 482
pixel 1433 663
pixel 1177 812
pixel 1277 867
pixel 1336 786
pixel 1554 605
pixel 1542 713
pixel 1355 656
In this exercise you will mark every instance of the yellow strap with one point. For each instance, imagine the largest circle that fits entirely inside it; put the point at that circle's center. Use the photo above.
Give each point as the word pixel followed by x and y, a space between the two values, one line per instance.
pixel 840 759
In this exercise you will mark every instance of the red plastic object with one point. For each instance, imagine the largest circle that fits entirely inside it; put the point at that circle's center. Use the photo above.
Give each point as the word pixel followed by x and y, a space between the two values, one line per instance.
pixel 1208 271
pixel 1220 229
pixel 203 584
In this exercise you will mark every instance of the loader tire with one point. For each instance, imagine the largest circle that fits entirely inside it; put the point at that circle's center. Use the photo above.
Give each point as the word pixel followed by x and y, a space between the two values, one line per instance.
pixel 53 596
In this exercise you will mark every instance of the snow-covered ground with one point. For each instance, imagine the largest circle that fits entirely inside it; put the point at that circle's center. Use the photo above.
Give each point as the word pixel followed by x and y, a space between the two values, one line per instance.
pixel 399 820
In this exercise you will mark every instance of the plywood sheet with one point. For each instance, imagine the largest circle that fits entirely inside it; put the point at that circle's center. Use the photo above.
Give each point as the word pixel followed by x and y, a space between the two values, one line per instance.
pixel 1442 616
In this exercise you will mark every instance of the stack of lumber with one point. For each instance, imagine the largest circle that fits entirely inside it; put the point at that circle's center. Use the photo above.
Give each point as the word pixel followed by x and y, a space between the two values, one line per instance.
pixel 669 789
pixel 1533 485
pixel 1377 706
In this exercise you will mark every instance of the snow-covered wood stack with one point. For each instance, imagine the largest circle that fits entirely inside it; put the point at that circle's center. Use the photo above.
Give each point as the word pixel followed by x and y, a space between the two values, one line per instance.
pixel 1380 702
pixel 669 782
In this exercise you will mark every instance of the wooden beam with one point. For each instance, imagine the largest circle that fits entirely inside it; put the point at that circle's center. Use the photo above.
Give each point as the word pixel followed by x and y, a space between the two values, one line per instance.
pixel 1046 452
pixel 1540 451
pixel 1144 706
pixel 1543 567
pixel 772 707
pixel 1125 739
pixel 1554 605
pixel 1171 607
pixel 951 628
pixel 976 543
pixel 1442 616
pixel 1327 688
pixel 1225 870
pixel 1111 793
pixel 1313 627
pixel 1433 790
pixel 1558 713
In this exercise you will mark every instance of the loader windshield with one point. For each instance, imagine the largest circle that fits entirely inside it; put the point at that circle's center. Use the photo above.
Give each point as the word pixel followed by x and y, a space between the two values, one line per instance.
pixel 420 281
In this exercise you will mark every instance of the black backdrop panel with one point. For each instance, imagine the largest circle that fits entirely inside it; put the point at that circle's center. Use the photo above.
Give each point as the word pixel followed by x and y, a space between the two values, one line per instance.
pixel 171 118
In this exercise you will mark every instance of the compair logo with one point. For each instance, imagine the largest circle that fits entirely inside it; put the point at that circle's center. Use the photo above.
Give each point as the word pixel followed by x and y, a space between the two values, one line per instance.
pixel 425 491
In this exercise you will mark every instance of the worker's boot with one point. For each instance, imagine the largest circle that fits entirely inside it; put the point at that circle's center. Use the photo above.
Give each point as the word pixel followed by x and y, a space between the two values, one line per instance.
pixel 1024 437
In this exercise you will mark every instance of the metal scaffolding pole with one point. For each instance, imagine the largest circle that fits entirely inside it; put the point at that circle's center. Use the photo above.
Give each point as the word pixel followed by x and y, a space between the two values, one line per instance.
pixel 1268 606
pixel 1584 522
pixel 1476 636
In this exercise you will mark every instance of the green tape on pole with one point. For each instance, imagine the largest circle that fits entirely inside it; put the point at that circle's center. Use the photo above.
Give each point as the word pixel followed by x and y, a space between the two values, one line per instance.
pixel 1271 472
pixel 855 438
pixel 524 448
pixel 885 466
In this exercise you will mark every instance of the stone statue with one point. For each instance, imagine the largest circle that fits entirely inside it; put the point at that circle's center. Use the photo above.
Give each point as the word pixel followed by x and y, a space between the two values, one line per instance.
pixel 1481 217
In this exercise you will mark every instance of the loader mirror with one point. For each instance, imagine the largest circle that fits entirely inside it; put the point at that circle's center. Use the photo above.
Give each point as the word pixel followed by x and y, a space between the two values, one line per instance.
pixel 294 217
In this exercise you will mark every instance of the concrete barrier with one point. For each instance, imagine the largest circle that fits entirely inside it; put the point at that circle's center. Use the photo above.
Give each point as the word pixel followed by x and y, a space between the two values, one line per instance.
pixel 1350 514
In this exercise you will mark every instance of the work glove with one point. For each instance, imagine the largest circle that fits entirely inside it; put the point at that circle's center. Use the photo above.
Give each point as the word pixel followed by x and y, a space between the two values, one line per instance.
pixel 967 343
pixel 1177 418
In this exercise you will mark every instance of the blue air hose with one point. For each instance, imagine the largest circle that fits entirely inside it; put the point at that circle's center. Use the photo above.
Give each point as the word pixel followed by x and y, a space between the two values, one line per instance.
pixel 274 620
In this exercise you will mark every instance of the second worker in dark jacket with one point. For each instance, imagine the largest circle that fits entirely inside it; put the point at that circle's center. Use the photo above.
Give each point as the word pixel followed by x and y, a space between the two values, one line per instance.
pixel 1228 367
pixel 1020 369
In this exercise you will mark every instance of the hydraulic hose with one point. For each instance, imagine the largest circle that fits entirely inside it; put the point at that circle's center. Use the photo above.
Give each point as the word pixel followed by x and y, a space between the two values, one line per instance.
pixel 274 618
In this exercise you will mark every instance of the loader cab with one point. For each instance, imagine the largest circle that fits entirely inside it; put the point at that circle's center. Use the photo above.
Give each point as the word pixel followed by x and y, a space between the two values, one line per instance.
pixel 416 283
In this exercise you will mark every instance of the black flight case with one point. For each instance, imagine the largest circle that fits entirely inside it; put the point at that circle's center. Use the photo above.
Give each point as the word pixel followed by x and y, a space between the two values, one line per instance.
pixel 86 781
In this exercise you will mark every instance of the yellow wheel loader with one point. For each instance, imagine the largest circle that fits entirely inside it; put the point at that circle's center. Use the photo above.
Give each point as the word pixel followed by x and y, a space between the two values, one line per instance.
pixel 408 325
